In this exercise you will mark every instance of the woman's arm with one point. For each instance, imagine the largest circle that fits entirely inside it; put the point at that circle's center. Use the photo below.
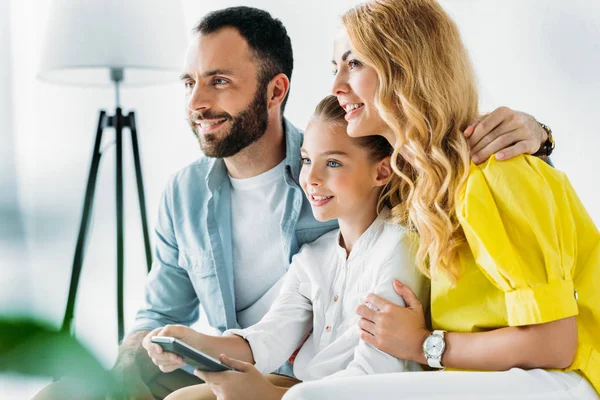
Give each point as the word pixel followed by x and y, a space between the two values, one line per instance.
pixel 549 345
pixel 401 332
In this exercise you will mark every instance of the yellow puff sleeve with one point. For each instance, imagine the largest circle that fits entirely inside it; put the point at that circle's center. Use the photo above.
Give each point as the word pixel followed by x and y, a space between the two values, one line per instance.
pixel 520 225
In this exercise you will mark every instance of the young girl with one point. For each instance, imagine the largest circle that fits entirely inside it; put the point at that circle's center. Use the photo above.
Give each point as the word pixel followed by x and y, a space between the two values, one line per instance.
pixel 512 254
pixel 316 309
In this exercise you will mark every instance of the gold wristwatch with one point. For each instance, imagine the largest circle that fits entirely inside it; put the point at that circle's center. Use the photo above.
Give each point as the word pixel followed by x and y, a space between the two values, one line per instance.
pixel 548 146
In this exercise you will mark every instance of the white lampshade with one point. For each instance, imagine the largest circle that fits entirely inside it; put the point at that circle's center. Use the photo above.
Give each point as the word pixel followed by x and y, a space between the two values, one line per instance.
pixel 85 39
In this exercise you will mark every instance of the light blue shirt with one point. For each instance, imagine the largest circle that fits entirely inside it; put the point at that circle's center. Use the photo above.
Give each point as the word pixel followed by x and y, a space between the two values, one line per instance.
pixel 193 258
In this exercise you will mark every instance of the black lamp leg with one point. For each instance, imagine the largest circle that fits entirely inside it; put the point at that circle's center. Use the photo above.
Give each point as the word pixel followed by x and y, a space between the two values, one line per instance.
pixel 140 187
pixel 83 227
pixel 118 122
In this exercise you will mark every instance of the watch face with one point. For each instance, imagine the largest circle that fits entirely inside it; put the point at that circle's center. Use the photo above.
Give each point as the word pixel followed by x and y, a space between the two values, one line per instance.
pixel 434 346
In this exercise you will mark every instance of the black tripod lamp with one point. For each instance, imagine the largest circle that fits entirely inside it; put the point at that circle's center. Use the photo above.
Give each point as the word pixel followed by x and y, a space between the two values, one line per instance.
pixel 112 42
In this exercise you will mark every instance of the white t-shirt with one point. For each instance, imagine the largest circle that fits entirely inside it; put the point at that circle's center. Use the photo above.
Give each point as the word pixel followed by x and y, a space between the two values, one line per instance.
pixel 259 262
pixel 321 292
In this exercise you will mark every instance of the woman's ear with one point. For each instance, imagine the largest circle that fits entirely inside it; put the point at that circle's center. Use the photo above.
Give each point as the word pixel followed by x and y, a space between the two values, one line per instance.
pixel 384 172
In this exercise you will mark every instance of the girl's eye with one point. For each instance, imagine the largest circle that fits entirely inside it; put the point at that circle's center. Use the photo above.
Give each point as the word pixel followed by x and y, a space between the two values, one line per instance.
pixel 333 164
pixel 305 160
pixel 334 72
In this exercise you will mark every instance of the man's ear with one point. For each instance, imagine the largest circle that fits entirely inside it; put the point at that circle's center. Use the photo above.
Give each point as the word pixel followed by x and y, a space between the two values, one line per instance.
pixel 277 90
pixel 384 172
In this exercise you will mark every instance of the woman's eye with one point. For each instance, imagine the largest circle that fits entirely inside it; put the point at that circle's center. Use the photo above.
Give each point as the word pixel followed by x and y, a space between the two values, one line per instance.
pixel 305 160
pixel 333 164
pixel 353 64
pixel 334 72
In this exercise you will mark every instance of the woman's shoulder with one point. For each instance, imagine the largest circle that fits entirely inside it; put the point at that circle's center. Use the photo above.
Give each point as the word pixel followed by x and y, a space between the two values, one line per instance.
pixel 523 167
pixel 521 178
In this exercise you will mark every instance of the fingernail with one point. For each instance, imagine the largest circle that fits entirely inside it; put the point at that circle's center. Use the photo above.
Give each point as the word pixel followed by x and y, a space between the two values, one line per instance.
pixel 500 156
pixel 475 159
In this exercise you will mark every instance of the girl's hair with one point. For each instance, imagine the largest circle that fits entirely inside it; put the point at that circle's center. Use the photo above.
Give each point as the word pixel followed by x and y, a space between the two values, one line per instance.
pixel 427 96
pixel 330 111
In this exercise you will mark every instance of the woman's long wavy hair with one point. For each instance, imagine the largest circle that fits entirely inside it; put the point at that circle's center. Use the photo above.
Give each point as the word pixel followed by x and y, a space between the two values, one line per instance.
pixel 427 95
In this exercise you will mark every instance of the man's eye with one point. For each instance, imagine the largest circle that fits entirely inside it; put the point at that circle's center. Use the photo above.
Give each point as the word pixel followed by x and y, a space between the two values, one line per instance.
pixel 188 86
pixel 220 81
pixel 333 164
pixel 305 160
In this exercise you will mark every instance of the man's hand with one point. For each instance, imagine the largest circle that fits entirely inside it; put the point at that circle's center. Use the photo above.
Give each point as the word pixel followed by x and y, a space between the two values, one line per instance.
pixel 246 382
pixel 505 132
pixel 168 362
pixel 131 370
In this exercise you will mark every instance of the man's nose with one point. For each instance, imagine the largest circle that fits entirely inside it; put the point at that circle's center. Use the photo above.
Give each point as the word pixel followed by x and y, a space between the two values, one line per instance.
pixel 199 100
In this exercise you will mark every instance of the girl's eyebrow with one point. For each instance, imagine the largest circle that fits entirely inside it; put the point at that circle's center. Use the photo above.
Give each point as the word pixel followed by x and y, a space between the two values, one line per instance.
pixel 334 152
pixel 344 56
pixel 328 153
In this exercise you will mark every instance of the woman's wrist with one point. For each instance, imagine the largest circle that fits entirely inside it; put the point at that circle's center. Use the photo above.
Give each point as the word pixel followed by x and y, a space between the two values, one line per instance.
pixel 418 353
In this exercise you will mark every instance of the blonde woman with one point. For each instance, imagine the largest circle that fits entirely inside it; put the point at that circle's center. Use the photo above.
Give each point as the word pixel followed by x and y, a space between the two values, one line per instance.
pixel 513 256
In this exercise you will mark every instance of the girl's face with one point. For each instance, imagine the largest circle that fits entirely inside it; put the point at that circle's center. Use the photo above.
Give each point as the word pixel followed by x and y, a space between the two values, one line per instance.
pixel 355 86
pixel 337 176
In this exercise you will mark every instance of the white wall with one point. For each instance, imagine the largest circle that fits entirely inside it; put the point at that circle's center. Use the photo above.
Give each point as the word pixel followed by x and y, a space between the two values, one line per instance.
pixel 15 281
pixel 541 56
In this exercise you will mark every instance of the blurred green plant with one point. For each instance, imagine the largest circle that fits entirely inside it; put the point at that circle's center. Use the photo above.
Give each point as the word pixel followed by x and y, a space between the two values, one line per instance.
pixel 32 349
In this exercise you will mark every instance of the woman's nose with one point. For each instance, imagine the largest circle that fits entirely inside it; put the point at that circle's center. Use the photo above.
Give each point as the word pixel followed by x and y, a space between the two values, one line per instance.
pixel 340 85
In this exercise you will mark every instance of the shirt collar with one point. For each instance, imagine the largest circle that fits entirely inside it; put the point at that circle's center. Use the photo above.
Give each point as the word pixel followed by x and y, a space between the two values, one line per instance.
pixel 365 241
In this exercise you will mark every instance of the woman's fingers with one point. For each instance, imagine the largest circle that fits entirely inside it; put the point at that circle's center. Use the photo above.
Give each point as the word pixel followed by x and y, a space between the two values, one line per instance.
pixel 407 294
pixel 377 303
pixel 367 326
pixel 368 338
pixel 364 311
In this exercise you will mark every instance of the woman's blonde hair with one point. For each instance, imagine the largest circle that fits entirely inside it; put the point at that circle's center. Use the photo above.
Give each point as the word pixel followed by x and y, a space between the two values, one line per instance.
pixel 330 111
pixel 427 95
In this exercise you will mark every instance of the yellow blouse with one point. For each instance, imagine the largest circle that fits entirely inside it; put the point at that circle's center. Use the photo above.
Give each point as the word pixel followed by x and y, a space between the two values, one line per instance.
pixel 533 256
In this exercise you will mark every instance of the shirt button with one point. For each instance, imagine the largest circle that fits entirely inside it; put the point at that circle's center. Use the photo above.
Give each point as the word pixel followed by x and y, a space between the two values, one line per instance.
pixel 328 329
pixel 336 298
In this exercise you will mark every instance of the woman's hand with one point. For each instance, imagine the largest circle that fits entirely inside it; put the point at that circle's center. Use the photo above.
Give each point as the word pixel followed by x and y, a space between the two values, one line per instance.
pixel 246 382
pixel 396 330
pixel 168 362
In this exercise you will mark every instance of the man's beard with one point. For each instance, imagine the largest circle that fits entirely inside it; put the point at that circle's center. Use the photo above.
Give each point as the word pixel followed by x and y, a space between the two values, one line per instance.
pixel 246 127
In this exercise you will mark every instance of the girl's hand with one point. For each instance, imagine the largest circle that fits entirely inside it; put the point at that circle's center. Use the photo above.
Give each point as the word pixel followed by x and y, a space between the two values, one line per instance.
pixel 396 330
pixel 246 382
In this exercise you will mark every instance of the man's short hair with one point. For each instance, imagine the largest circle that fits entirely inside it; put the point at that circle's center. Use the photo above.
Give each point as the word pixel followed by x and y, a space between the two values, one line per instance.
pixel 266 36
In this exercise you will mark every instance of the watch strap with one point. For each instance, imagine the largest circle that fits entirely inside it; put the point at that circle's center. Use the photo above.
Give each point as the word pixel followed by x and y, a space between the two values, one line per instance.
pixel 548 146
